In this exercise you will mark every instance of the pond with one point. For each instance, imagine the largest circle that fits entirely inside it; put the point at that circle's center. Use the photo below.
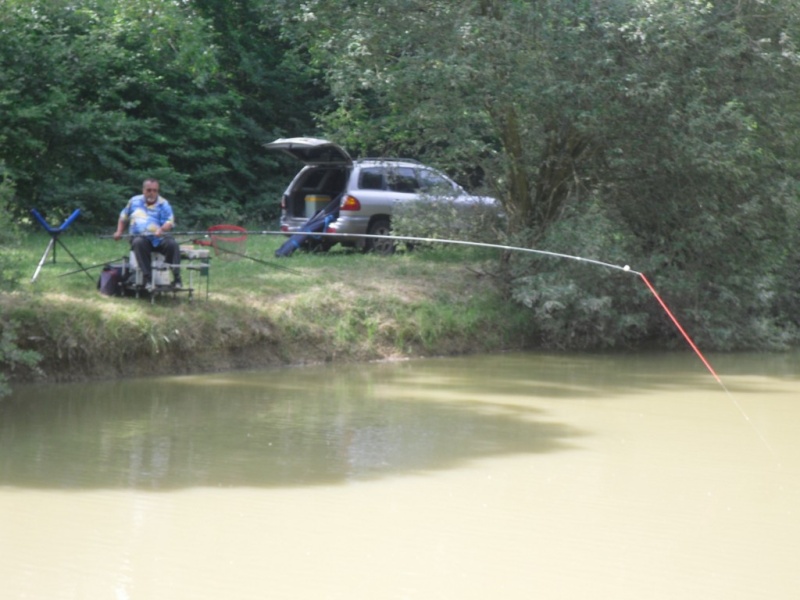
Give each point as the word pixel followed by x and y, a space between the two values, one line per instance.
pixel 509 476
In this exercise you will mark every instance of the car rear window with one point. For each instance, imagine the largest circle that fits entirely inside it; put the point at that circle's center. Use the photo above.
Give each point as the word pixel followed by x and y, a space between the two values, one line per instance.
pixel 313 178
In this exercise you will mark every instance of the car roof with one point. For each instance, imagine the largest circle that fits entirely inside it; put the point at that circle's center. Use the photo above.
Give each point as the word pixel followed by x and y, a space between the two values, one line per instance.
pixel 396 162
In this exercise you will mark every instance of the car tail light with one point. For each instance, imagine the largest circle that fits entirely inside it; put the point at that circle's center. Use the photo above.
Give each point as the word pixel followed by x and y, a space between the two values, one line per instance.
pixel 350 203
pixel 284 228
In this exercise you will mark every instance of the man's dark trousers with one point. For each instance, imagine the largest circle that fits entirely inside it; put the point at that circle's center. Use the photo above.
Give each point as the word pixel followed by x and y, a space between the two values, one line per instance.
pixel 143 249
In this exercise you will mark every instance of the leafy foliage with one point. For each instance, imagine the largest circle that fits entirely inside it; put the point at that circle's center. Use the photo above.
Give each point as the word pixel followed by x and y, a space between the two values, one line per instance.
pixel 664 127
pixel 11 355
pixel 671 123
pixel 575 304
pixel 96 95
pixel 445 218
pixel 9 237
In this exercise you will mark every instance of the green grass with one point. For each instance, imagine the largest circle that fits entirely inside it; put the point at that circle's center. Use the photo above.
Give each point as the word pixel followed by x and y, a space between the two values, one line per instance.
pixel 335 306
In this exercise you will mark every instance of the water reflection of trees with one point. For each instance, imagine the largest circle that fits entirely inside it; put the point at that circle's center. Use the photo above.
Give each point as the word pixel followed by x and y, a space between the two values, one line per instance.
pixel 287 428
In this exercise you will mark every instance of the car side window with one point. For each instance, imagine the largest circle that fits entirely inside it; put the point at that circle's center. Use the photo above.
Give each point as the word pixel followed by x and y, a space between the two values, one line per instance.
pixel 403 179
pixel 371 179
pixel 432 182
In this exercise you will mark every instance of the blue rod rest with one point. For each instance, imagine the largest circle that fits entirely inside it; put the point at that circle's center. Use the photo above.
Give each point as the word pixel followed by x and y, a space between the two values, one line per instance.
pixel 55 230
pixel 54 233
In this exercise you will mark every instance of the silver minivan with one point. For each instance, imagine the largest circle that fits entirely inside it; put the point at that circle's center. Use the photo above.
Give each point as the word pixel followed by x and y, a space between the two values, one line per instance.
pixel 363 192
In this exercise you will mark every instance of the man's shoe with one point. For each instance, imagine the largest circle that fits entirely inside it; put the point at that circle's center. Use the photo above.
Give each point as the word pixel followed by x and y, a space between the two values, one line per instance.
pixel 177 284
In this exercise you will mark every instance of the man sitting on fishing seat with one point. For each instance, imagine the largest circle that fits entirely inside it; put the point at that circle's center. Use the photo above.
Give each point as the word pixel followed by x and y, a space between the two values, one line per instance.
pixel 149 218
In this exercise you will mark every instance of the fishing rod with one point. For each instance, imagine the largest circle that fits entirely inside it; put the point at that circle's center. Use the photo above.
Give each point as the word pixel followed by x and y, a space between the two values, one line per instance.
pixel 258 260
pixel 87 269
pixel 216 247
pixel 102 264
pixel 591 261
pixel 405 238
pixel 624 268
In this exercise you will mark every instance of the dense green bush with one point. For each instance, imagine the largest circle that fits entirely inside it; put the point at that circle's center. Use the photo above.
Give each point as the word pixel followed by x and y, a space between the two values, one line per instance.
pixel 669 125
pixel 9 236
pixel 445 218
pixel 96 95
pixel 578 304
pixel 11 356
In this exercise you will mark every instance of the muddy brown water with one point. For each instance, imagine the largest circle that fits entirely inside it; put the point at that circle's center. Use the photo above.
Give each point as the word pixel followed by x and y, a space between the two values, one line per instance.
pixel 515 477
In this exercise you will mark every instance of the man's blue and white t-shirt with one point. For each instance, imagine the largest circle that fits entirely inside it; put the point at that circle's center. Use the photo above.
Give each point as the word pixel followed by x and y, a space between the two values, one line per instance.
pixel 145 219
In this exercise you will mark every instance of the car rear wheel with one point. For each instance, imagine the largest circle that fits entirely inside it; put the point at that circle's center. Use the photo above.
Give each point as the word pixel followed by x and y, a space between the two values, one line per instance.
pixel 380 245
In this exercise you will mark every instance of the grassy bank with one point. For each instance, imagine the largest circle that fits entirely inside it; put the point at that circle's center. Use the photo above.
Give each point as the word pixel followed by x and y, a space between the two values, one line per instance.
pixel 338 306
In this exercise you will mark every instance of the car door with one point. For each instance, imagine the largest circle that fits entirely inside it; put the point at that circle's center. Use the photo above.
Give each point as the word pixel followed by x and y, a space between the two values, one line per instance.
pixel 312 151
pixel 318 182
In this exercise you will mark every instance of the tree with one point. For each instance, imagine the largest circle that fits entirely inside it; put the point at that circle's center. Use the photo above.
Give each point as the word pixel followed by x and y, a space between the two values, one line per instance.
pixel 276 97
pixel 498 86
pixel 99 94
pixel 660 130
pixel 697 166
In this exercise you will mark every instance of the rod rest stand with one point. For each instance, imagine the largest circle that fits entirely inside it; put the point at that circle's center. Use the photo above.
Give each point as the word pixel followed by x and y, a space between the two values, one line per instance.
pixel 54 233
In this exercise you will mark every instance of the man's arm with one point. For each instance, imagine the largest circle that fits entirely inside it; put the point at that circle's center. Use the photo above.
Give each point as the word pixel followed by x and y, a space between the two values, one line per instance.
pixel 167 219
pixel 124 217
pixel 120 229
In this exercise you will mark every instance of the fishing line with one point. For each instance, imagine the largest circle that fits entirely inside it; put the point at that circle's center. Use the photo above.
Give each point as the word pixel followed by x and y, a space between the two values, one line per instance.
pixel 708 366
pixel 682 330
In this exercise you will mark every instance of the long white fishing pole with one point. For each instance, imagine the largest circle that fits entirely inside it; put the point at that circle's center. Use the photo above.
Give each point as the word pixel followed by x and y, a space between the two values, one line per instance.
pixel 624 268
pixel 405 238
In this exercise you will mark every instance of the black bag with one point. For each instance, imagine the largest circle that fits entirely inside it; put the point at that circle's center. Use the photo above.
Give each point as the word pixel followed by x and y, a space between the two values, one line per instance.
pixel 109 281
